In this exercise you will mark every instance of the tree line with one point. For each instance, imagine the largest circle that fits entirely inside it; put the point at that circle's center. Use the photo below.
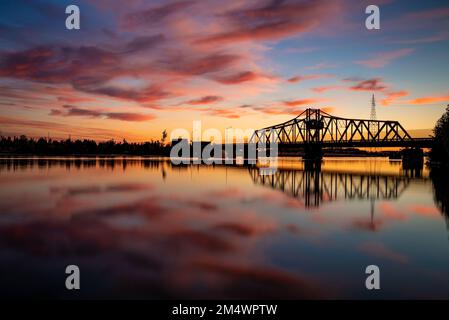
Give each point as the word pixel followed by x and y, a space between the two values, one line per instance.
pixel 46 146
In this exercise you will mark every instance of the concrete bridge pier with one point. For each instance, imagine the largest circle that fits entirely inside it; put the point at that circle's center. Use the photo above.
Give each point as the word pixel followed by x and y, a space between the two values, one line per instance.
pixel 412 160
pixel 414 155
pixel 312 165
pixel 313 151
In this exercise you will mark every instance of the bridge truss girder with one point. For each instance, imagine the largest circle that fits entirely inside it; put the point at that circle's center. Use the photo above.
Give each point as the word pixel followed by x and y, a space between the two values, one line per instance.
pixel 316 126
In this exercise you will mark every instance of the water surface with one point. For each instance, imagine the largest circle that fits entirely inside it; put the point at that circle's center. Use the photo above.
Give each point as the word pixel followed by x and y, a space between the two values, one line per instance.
pixel 143 228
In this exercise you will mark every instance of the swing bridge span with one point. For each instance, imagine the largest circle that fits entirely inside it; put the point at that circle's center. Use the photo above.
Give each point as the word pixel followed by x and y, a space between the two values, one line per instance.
pixel 318 129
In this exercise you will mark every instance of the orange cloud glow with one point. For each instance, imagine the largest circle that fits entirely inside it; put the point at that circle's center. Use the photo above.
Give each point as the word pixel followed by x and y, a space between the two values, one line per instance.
pixel 300 102
pixel 391 97
pixel 430 99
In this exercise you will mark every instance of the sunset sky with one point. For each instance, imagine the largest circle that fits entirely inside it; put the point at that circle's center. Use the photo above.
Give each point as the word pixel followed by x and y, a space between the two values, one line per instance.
pixel 138 67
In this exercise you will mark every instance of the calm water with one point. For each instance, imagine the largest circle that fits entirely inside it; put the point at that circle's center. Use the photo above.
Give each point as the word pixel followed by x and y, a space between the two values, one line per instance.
pixel 140 228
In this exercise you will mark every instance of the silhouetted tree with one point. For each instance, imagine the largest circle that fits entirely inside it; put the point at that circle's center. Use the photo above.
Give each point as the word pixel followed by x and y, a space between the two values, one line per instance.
pixel 440 150
pixel 440 172
pixel 164 136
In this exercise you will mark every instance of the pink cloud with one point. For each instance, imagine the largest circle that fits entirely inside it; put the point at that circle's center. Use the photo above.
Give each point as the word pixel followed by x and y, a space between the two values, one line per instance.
pixel 374 84
pixel 153 15
pixel 60 130
pixel 300 78
pixel 392 96
pixel 205 100
pixel 129 116
pixel 291 109
pixel 240 77
pixel 430 100
pixel 300 102
pixel 270 22
pixel 224 113
pixel 326 88
pixel 73 111
pixel 382 59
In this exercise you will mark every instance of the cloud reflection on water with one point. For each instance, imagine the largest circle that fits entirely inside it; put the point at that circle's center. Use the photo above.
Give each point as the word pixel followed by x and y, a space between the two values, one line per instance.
pixel 193 232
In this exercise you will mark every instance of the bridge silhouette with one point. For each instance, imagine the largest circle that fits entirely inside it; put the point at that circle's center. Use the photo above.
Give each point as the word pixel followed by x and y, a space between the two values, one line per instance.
pixel 315 129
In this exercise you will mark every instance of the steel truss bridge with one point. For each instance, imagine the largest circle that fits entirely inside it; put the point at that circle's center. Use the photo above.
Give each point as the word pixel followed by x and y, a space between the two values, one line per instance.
pixel 318 187
pixel 318 128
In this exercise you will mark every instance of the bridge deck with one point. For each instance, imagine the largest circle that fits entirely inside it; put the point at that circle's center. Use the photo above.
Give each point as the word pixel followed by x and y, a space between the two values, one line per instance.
pixel 416 142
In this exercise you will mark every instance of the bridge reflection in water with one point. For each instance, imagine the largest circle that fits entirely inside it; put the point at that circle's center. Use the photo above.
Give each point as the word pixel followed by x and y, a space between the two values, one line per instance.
pixel 315 187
